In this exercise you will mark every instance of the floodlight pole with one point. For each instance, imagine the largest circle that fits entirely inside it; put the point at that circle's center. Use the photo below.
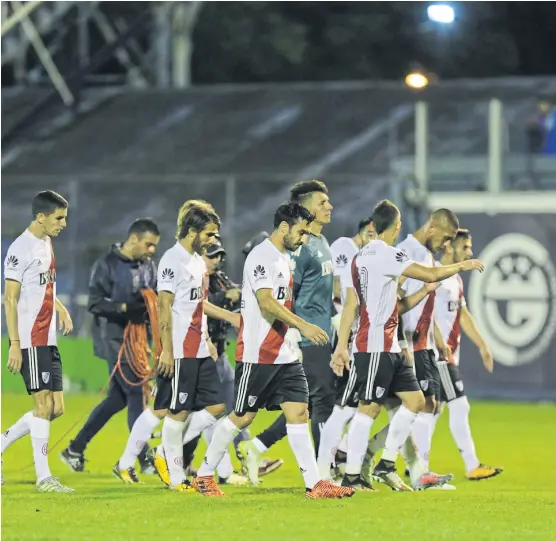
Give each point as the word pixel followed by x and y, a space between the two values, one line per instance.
pixel 421 167
pixel 495 147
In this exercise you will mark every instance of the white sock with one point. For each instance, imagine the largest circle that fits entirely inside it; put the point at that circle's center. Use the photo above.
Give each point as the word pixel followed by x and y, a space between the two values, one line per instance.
pixel 140 433
pixel 422 436
pixel 400 428
pixel 302 447
pixel 224 434
pixel 261 447
pixel 377 442
pixel 461 431
pixel 344 444
pixel 434 420
pixel 413 461
pixel 225 467
pixel 330 437
pixel 40 432
pixel 172 437
pixel 358 438
pixel 18 430
pixel 199 421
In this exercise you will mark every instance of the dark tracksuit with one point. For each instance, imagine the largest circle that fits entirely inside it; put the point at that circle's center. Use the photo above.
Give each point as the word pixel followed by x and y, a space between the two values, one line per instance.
pixel 115 280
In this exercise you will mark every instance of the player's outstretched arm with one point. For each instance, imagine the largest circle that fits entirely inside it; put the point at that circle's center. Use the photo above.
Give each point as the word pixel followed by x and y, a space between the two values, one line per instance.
pixel 12 290
pixel 269 304
pixel 215 312
pixel 471 330
pixel 405 304
pixel 166 361
pixel 65 321
pixel 439 273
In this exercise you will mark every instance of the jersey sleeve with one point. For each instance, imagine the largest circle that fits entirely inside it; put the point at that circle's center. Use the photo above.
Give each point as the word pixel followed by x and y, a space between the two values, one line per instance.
pixel 15 264
pixel 395 262
pixel 339 258
pixel 168 274
pixel 259 271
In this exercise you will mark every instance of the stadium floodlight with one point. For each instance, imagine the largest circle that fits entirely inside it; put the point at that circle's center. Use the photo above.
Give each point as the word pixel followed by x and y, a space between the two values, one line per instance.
pixel 441 13
pixel 416 80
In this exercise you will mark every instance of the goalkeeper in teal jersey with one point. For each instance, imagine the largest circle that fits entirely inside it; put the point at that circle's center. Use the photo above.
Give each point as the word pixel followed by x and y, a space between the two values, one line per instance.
pixel 312 269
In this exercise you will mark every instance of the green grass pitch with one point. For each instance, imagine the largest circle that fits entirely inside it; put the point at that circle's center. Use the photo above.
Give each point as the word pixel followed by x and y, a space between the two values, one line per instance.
pixel 518 505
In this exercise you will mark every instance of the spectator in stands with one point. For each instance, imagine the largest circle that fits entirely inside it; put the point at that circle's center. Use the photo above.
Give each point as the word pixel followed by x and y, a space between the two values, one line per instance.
pixel 541 128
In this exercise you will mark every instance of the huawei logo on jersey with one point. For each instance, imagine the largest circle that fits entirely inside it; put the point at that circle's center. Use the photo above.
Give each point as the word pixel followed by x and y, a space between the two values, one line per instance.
pixel 167 274
pixel 48 277
pixel 341 260
pixel 259 271
pixel 401 257
pixel 12 262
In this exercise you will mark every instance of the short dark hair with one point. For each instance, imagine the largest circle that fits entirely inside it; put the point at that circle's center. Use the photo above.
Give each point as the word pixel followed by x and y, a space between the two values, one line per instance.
pixel 365 222
pixel 48 202
pixel 384 216
pixel 301 191
pixel 291 213
pixel 462 234
pixel 197 218
pixel 445 217
pixel 141 226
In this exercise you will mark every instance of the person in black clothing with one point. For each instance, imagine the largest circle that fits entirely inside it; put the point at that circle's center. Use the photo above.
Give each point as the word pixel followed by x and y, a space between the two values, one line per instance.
pixel 115 300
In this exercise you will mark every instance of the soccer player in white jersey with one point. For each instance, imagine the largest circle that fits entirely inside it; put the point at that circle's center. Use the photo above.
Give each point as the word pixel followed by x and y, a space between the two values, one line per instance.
pixel 268 372
pixel 453 316
pixel 343 252
pixel 187 377
pixel 418 324
pixel 30 303
pixel 380 367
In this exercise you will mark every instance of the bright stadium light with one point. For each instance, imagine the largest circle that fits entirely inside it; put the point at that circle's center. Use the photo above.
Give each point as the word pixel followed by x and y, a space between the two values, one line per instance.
pixel 416 80
pixel 441 13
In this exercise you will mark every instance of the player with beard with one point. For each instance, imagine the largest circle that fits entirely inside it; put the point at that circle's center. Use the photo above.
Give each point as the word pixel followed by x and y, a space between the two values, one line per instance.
pixel 268 372
pixel 313 292
pixel 453 316
pixel 418 324
pixel 187 377
pixel 381 370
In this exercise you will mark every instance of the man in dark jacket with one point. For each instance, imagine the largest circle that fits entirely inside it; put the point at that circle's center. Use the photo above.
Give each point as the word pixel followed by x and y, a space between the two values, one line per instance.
pixel 115 300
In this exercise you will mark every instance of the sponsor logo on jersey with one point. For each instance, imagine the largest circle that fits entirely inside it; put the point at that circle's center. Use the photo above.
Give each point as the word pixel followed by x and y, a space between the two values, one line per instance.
pixel 12 262
pixel 47 277
pixel 259 271
pixel 342 260
pixel 167 274
pixel 196 293
pixel 327 268
pixel 401 257
pixel 514 299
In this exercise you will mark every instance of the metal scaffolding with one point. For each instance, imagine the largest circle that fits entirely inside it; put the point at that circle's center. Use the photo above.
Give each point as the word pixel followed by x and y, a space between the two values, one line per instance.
pixel 67 45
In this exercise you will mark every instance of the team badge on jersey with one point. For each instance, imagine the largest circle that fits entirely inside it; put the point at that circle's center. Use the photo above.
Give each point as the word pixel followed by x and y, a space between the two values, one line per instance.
pixel 252 400
pixel 46 376
pixel 424 384
pixel 379 392
pixel 182 397
pixel 459 386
